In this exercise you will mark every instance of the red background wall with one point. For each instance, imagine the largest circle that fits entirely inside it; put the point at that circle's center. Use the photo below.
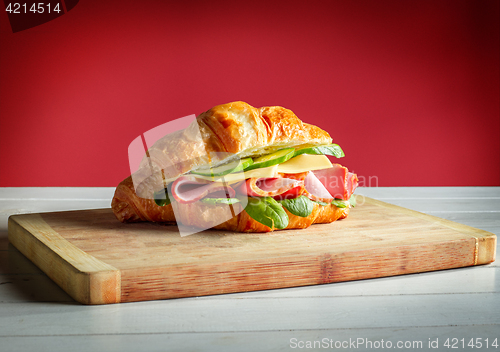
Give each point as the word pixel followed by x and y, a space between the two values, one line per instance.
pixel 409 89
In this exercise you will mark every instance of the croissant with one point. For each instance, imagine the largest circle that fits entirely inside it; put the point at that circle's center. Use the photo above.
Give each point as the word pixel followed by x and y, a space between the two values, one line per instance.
pixel 226 131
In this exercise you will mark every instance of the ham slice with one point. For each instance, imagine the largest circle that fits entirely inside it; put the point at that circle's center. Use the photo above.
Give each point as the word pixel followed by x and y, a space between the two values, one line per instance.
pixel 339 182
pixel 294 192
pixel 299 176
pixel 270 186
pixel 352 183
pixel 315 190
pixel 188 189
pixel 291 193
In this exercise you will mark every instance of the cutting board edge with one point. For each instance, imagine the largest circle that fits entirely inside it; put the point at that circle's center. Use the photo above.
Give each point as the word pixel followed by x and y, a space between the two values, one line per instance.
pixel 82 276
pixel 486 242
pixel 306 270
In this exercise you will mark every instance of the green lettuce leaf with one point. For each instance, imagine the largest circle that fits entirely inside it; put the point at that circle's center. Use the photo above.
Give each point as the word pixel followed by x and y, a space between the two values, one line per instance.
pixel 340 203
pixel 161 198
pixel 267 211
pixel 331 149
pixel 300 206
pixel 352 200
pixel 320 202
pixel 214 201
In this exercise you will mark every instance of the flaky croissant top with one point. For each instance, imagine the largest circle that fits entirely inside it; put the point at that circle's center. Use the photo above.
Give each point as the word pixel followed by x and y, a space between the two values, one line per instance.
pixel 226 130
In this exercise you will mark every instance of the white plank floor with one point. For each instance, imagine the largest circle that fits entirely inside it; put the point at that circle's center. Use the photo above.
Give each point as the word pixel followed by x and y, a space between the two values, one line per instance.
pixel 407 311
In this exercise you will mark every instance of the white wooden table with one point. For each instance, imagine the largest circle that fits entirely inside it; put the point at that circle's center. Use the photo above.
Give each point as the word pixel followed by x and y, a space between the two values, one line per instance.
pixel 405 311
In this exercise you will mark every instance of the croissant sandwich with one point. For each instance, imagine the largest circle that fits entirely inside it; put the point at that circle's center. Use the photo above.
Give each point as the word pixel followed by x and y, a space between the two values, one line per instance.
pixel 239 168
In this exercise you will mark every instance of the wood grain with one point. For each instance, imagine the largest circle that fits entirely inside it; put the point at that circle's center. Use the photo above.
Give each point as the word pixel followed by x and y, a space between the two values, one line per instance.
pixel 82 276
pixel 98 260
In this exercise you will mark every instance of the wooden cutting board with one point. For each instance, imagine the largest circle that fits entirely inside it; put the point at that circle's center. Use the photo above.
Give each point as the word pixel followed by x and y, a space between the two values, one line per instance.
pixel 98 260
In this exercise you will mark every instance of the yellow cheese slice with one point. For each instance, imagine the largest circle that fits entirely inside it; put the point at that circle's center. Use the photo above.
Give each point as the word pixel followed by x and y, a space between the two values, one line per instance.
pixel 303 163
pixel 240 176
